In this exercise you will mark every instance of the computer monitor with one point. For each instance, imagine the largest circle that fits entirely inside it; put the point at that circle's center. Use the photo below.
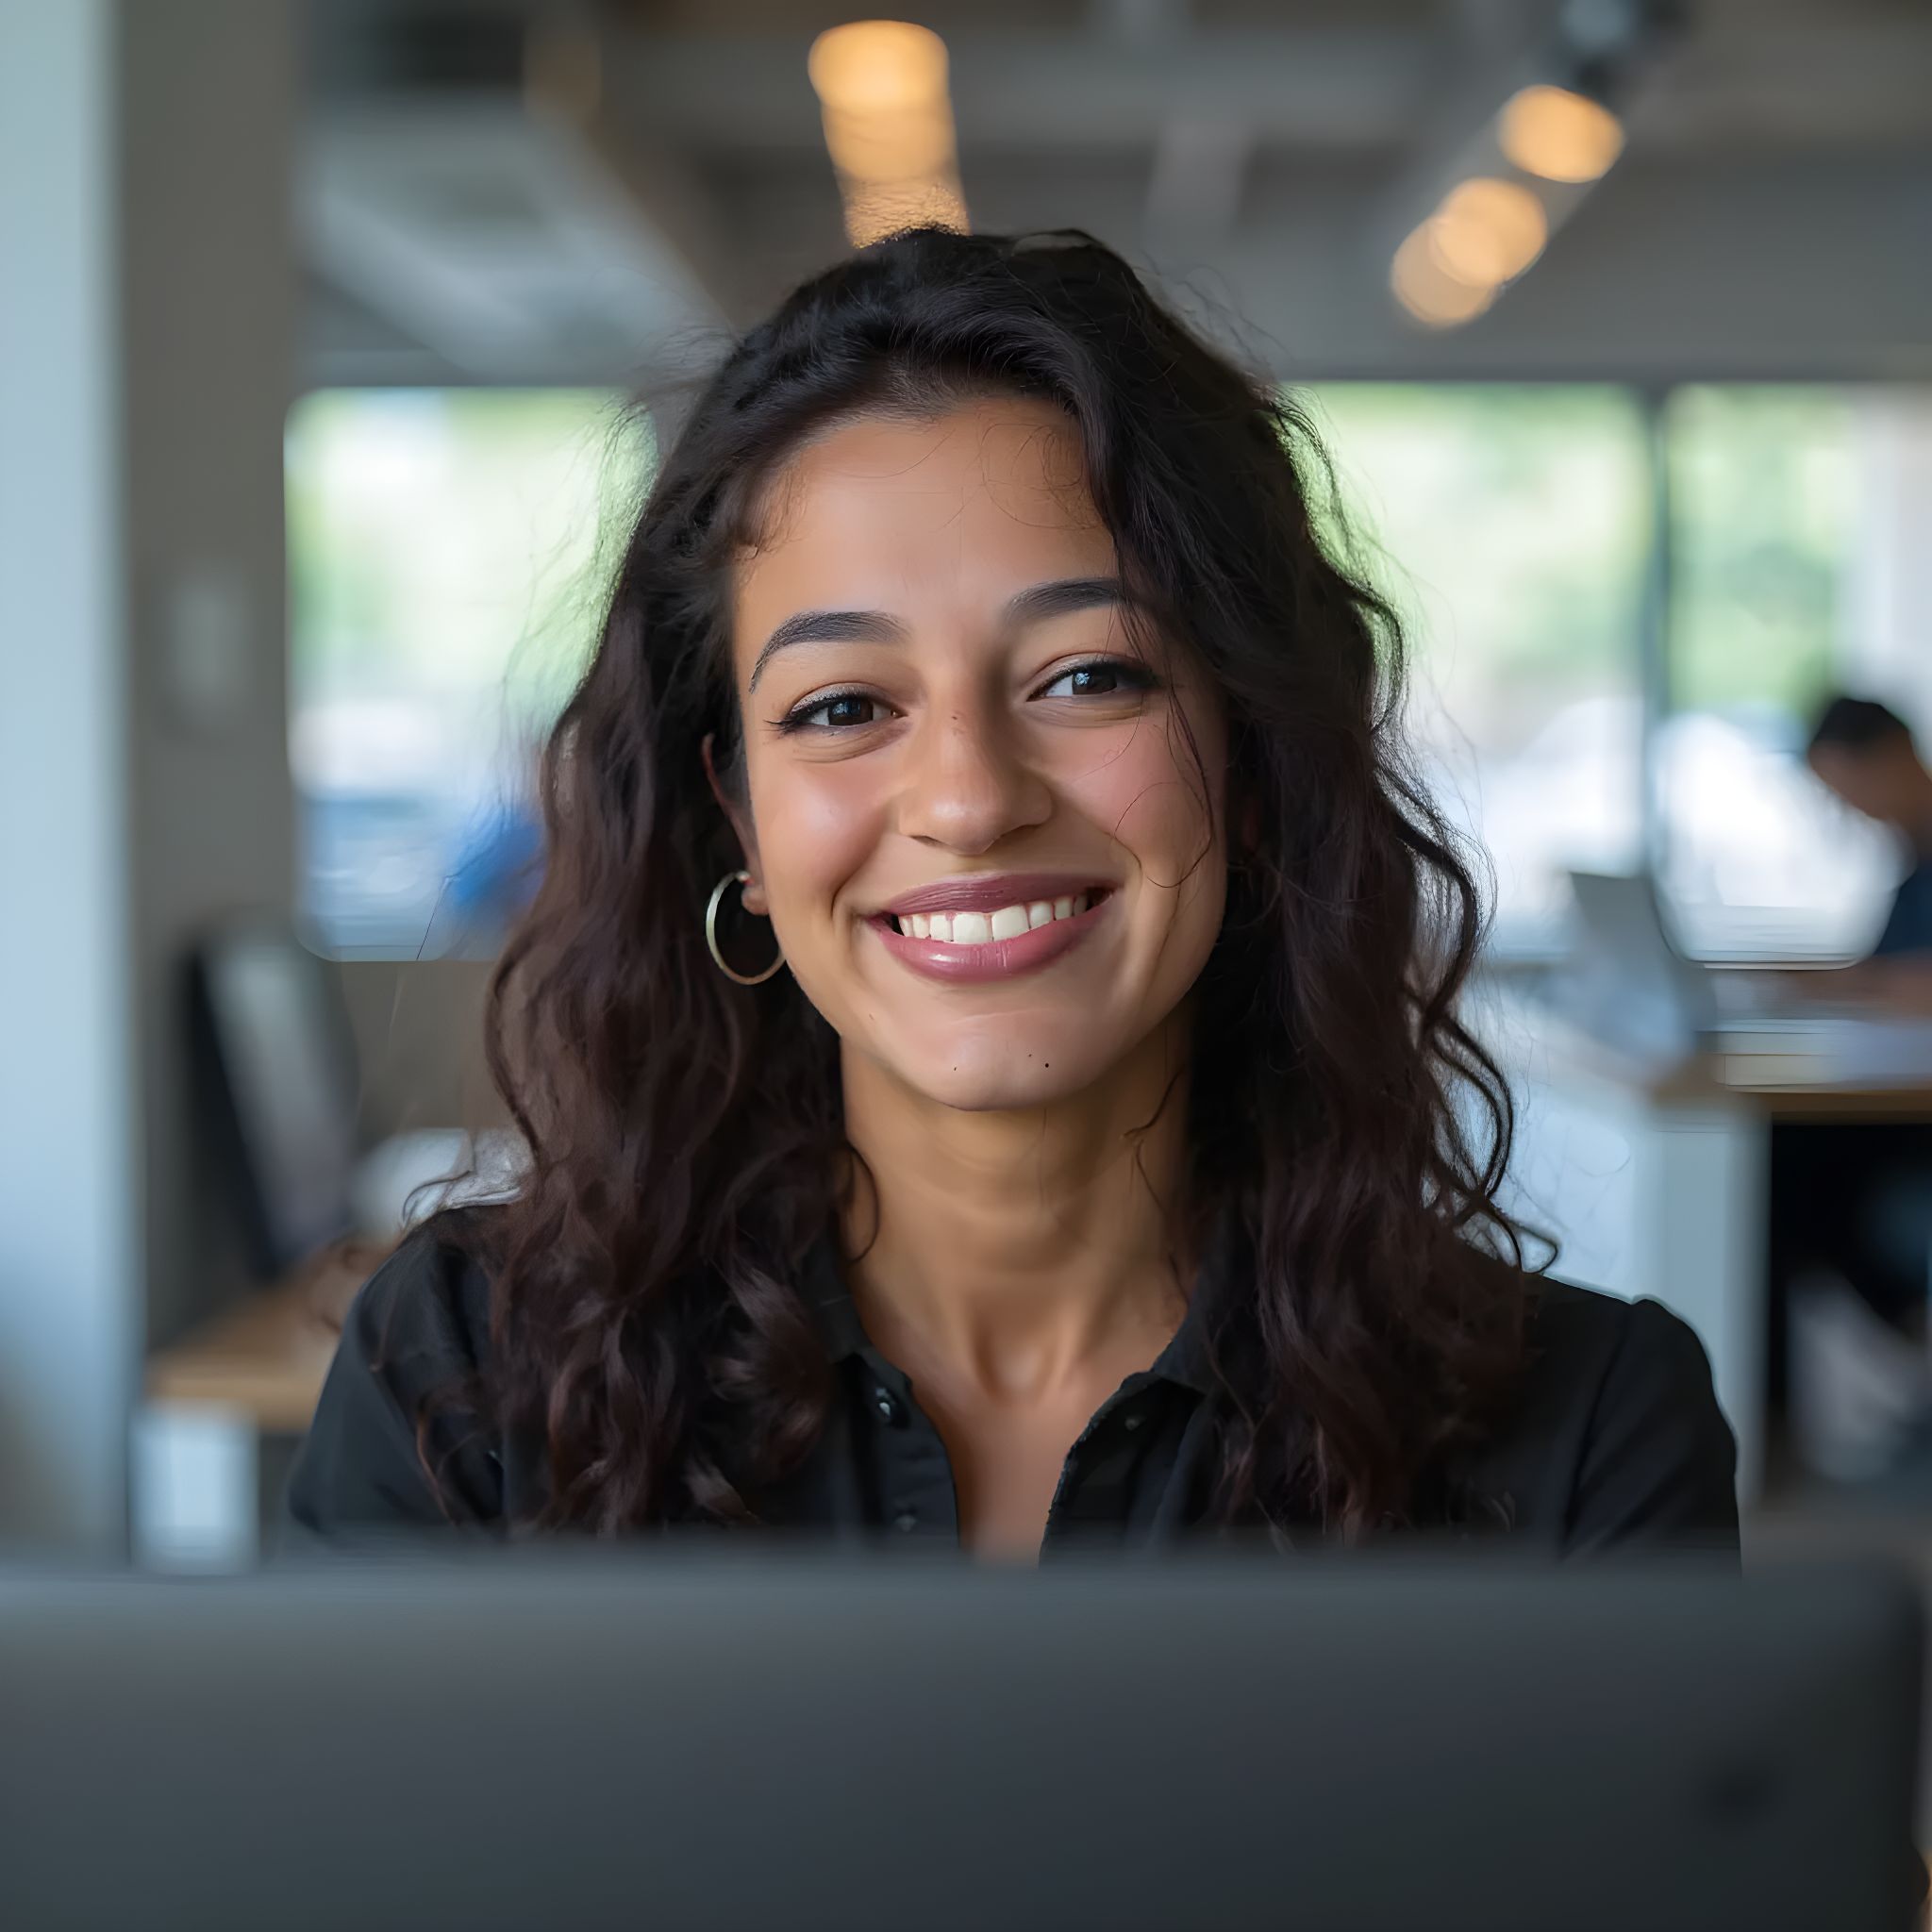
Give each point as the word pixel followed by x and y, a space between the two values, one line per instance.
pixel 750 1747
pixel 280 1067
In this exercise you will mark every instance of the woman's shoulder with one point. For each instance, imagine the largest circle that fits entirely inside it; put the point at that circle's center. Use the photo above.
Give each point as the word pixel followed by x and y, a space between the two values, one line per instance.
pixel 397 1441
pixel 1587 1331
pixel 1613 1433
pixel 429 1299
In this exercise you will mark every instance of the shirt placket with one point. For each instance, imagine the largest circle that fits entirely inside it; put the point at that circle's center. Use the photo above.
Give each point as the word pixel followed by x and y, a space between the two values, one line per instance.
pixel 1126 1411
pixel 916 1495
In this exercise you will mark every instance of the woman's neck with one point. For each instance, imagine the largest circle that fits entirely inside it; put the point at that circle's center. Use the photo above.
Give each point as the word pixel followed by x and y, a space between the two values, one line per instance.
pixel 1018 1249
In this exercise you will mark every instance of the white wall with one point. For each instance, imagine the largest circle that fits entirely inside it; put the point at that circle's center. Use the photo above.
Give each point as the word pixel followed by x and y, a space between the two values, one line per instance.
pixel 1886 648
pixel 69 1227
pixel 145 376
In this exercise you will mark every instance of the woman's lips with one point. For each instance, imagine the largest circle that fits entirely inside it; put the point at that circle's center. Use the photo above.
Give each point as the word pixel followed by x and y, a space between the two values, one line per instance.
pixel 987 891
pixel 1027 952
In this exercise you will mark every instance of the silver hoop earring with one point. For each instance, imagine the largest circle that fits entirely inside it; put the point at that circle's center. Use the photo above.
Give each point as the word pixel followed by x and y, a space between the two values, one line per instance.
pixel 718 892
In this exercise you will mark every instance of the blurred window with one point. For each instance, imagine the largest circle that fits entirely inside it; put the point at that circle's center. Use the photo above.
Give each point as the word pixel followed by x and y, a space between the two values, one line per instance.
pixel 1510 526
pixel 1797 515
pixel 446 549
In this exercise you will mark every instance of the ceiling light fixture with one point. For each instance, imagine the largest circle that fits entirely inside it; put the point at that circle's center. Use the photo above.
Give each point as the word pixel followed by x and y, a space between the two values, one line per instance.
pixel 889 126
pixel 1429 292
pixel 1488 231
pixel 1560 135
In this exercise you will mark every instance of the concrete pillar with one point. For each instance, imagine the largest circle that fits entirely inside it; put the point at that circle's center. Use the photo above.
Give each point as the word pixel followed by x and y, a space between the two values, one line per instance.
pixel 145 376
pixel 70 1228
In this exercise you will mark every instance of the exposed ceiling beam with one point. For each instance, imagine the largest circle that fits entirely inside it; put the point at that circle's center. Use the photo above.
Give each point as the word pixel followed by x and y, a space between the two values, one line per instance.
pixel 1042 91
pixel 1194 192
pixel 1851 75
pixel 497 240
pixel 1140 23
pixel 357 240
pixel 664 193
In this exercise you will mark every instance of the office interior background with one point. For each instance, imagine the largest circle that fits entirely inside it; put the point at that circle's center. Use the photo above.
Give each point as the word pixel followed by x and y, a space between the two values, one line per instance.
pixel 339 337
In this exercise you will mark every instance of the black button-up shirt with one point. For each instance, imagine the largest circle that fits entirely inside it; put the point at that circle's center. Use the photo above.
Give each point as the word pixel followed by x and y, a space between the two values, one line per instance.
pixel 1614 1436
pixel 1130 1476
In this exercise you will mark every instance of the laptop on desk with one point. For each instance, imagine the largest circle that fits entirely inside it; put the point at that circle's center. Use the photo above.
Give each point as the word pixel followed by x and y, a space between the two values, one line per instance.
pixel 1373 1746
pixel 1626 983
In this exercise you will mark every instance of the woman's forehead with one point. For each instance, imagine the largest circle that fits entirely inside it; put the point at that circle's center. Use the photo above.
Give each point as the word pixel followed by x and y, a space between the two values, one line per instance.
pixel 976 503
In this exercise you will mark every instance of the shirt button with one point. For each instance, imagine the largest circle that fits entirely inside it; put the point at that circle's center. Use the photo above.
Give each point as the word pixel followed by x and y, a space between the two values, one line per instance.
pixel 1135 1421
pixel 907 1519
pixel 888 1406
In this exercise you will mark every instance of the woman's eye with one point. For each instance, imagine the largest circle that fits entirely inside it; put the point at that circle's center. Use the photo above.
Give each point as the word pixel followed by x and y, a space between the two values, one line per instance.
pixel 1104 679
pixel 841 711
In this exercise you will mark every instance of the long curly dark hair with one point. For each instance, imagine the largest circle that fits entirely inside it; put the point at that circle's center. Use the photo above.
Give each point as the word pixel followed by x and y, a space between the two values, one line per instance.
pixel 684 1133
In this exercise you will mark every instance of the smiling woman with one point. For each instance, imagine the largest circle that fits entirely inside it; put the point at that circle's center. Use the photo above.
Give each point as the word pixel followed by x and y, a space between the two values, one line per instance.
pixel 1098 1167
pixel 988 701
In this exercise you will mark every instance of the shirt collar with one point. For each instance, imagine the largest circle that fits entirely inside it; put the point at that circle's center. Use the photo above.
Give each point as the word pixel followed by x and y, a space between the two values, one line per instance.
pixel 829 1303
pixel 1187 1359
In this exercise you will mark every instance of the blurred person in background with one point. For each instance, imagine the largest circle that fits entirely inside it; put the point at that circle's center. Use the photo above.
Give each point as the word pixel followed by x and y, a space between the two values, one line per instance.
pixel 1864 752
pixel 1852 1214
pixel 986 1037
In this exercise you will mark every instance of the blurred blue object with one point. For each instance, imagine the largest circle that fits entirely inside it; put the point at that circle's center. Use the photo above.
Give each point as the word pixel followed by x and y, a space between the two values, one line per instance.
pixel 498 871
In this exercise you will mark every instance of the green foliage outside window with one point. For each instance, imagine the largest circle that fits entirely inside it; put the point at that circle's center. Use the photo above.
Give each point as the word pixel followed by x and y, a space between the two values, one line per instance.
pixel 447 544
pixel 1763 498
pixel 1508 523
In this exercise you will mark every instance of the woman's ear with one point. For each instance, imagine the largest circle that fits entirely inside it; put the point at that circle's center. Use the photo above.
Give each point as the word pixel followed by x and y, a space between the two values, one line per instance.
pixel 741 826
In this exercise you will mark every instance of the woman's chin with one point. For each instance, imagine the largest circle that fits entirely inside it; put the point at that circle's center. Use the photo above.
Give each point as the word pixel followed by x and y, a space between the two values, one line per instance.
pixel 998 1077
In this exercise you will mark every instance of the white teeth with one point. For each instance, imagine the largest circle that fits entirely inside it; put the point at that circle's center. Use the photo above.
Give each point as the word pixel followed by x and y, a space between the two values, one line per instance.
pixel 981 928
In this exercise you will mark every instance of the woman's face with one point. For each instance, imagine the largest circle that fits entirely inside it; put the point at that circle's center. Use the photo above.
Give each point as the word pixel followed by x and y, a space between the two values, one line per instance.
pixel 975 822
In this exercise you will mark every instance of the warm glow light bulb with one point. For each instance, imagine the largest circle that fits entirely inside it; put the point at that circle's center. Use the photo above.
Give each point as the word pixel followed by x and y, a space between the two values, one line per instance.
pixel 877 67
pixel 889 126
pixel 1428 291
pixel 1560 135
pixel 898 146
pixel 1487 230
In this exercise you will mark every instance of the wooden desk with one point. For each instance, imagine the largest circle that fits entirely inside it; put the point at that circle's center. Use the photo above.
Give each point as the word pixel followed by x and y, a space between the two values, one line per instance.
pixel 257 1368
pixel 266 1358
pixel 1797 1102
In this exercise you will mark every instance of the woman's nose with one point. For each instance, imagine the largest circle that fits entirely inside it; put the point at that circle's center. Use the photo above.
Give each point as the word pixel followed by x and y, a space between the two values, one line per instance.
pixel 968 784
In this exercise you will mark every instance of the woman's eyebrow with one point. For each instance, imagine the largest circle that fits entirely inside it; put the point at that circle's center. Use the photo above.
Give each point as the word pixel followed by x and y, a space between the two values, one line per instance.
pixel 827 628
pixel 1037 604
pixel 1062 597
